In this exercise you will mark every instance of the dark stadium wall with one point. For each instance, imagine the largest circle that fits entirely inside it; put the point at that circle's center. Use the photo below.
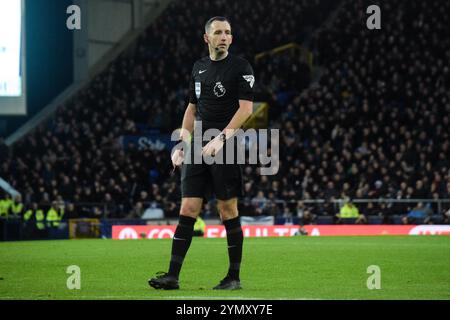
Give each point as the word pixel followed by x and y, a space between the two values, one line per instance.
pixel 49 57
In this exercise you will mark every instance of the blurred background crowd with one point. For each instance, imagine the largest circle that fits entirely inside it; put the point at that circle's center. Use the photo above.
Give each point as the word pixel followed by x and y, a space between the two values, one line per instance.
pixel 374 125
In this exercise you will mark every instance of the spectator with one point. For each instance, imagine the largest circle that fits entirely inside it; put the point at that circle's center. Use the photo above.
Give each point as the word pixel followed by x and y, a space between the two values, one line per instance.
pixel 137 212
pixel 304 214
pixel 287 215
pixel 110 208
pixel 207 211
pixel 199 227
pixel 153 212
pixel 17 206
pixel 5 206
pixel 271 208
pixel 417 215
pixel 350 211
pixel 259 203
pixel 55 215
pixel 71 212
pixel 447 217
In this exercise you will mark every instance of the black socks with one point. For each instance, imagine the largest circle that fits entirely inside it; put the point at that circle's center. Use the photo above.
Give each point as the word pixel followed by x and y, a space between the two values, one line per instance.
pixel 183 237
pixel 235 239
pixel 180 244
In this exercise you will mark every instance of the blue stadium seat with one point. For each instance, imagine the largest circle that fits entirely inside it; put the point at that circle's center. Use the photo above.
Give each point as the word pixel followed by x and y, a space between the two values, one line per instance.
pixel 348 220
pixel 325 220
pixel 279 220
pixel 375 220
pixel 396 219
pixel 282 221
pixel 437 218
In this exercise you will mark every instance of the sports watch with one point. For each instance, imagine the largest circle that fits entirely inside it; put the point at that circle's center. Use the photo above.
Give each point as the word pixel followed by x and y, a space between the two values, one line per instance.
pixel 222 137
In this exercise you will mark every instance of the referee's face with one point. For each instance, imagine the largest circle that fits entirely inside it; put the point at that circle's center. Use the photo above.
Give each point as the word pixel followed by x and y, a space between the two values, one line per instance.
pixel 219 37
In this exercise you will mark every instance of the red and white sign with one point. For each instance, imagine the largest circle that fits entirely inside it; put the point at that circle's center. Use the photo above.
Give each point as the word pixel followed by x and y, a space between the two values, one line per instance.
pixel 218 231
pixel 253 231
pixel 430 230
pixel 357 230
pixel 141 232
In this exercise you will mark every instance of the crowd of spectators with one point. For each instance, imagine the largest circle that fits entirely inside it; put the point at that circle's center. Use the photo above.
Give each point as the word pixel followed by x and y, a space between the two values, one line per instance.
pixel 375 126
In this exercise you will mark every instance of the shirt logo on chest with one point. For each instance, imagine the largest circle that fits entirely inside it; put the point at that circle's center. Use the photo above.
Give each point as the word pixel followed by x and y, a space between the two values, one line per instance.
pixel 219 90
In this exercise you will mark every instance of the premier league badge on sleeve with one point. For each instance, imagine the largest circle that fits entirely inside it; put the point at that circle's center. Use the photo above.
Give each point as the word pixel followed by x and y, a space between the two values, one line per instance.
pixel 250 79
pixel 198 89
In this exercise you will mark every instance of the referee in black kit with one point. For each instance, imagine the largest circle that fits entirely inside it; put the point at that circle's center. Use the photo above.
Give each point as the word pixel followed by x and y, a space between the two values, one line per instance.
pixel 221 97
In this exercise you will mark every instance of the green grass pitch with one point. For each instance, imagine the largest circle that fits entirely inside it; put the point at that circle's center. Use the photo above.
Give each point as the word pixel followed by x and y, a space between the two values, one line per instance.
pixel 412 267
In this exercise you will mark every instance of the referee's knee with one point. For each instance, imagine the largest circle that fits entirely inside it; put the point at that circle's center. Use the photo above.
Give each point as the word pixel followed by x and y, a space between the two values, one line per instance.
pixel 227 211
pixel 189 210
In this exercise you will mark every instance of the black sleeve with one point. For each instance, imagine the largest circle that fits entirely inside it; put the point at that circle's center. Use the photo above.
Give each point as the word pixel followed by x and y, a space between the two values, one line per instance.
pixel 246 81
pixel 192 95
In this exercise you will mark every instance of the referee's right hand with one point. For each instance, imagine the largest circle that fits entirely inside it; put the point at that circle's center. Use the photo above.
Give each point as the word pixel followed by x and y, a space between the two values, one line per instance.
pixel 177 158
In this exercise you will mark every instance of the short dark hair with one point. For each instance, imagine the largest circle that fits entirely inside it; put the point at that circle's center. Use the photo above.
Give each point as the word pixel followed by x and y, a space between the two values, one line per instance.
pixel 216 18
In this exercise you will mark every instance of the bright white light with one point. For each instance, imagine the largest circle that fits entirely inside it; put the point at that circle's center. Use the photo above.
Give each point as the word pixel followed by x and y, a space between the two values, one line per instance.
pixel 10 48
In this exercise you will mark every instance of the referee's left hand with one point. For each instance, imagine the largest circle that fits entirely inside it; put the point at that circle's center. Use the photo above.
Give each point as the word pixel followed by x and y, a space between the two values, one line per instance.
pixel 213 147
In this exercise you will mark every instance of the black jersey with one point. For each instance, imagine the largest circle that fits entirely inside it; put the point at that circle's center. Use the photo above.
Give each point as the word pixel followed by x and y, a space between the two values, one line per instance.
pixel 216 88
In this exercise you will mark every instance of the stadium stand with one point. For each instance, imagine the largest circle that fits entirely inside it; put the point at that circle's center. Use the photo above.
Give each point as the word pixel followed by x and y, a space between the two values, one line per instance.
pixel 374 127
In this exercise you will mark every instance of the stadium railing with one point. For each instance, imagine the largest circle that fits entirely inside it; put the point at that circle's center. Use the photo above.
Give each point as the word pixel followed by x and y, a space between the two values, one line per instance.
pixel 440 203
pixel 119 211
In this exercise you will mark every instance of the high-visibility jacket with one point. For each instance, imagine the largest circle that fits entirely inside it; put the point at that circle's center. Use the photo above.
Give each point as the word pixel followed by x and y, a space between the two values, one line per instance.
pixel 27 215
pixel 348 211
pixel 40 219
pixel 53 218
pixel 16 208
pixel 5 205
pixel 2 208
pixel 200 225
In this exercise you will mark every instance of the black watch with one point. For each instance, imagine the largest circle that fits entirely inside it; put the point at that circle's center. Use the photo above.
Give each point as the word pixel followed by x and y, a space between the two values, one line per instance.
pixel 223 137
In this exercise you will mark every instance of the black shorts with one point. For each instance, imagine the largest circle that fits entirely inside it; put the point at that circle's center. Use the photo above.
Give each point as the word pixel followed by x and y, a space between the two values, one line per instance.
pixel 224 181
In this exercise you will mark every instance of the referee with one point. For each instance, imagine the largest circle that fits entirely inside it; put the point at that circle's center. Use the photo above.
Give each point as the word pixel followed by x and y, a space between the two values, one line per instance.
pixel 221 97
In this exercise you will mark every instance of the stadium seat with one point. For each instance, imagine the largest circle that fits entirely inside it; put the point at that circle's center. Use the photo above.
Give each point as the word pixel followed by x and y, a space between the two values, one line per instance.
pixel 283 220
pixel 437 219
pixel 396 219
pixel 325 220
pixel 375 220
pixel 280 220
pixel 348 221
